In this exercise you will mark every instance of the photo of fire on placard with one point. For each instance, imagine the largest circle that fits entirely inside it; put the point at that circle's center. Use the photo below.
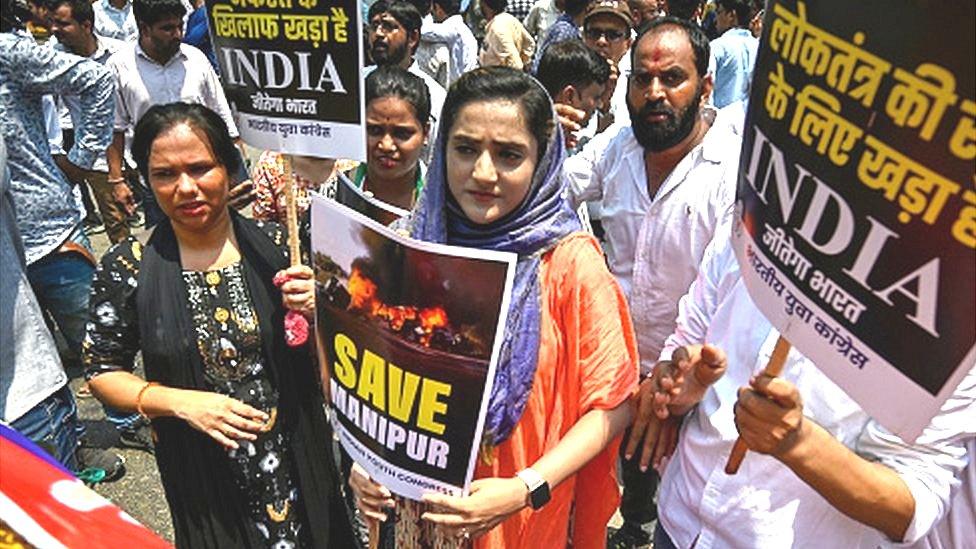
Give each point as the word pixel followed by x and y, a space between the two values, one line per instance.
pixel 408 336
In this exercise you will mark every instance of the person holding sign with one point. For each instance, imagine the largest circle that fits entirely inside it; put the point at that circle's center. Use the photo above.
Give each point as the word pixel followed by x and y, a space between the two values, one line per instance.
pixel 242 440
pixel 829 475
pixel 568 361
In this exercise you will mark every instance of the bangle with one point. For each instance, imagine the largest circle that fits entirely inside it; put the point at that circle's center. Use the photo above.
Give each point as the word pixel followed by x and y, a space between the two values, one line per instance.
pixel 139 398
pixel 115 180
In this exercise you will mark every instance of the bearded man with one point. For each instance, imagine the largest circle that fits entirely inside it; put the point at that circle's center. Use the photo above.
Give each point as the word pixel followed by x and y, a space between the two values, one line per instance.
pixel 666 181
pixel 394 35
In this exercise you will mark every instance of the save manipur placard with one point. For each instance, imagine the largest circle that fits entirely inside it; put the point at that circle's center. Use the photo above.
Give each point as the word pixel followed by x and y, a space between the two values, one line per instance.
pixel 291 73
pixel 408 336
pixel 857 198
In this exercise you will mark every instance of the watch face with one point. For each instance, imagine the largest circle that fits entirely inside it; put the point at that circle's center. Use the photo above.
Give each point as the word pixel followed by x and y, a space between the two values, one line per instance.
pixel 540 496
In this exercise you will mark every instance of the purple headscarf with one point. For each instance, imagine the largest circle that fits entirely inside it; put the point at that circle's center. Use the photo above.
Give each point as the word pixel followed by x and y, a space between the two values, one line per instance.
pixel 542 219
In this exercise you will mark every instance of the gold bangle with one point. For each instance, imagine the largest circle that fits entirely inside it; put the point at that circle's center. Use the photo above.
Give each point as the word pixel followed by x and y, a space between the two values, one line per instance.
pixel 115 180
pixel 139 398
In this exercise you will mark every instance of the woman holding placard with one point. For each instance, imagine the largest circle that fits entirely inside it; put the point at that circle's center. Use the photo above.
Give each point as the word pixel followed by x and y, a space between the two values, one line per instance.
pixel 568 362
pixel 242 440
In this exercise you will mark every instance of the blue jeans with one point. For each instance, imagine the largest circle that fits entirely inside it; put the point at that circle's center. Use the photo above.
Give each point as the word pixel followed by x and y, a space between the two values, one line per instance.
pixel 62 284
pixel 52 425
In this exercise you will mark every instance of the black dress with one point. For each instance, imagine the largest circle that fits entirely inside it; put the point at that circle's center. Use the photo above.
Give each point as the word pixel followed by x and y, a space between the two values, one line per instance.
pixel 218 334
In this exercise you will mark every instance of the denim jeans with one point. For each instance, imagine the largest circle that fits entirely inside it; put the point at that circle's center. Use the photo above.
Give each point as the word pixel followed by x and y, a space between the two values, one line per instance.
pixel 62 283
pixel 52 425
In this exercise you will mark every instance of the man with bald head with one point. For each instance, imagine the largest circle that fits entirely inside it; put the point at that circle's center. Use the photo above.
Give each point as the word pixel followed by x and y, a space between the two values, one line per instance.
pixel 666 181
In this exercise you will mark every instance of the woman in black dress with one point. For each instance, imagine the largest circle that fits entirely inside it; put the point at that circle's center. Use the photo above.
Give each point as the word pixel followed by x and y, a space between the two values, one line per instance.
pixel 243 446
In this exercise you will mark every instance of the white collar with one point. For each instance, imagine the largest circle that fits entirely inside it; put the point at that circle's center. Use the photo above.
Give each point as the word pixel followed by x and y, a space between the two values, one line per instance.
pixel 142 53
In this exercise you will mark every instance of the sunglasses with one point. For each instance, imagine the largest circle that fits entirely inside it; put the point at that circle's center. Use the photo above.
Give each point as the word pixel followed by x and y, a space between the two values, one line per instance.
pixel 611 35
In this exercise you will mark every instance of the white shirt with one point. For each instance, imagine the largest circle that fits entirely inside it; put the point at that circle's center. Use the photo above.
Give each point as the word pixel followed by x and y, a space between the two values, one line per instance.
pixel 618 100
pixel 433 56
pixel 141 82
pixel 656 244
pixel 456 34
pixel 691 203
pixel 112 22
pixel 766 504
pixel 610 168
pixel 958 529
pixel 70 105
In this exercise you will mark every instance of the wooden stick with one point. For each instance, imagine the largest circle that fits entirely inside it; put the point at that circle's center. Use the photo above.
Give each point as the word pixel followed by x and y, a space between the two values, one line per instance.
pixel 773 369
pixel 374 534
pixel 291 205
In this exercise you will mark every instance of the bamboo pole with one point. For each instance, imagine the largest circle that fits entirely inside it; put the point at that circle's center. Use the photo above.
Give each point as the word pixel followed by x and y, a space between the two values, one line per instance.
pixel 291 211
pixel 773 369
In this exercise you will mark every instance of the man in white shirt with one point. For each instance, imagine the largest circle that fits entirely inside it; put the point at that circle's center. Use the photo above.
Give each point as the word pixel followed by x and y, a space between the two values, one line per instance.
pixel 821 472
pixel 159 69
pixel 665 181
pixel 449 27
pixel 394 34
pixel 432 55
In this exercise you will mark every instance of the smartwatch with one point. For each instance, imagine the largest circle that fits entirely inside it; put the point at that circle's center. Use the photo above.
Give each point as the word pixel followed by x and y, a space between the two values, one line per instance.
pixel 538 487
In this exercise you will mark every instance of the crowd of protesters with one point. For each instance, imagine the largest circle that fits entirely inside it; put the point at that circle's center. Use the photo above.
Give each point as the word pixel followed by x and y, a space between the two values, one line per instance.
pixel 598 140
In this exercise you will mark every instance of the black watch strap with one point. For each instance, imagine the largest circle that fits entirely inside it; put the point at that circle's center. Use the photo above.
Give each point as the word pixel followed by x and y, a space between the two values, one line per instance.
pixel 538 487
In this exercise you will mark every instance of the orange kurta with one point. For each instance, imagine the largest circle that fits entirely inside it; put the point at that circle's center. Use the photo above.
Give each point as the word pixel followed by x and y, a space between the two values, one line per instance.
pixel 587 360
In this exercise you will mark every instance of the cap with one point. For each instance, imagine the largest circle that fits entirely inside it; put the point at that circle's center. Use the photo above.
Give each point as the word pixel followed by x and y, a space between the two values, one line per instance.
pixel 611 7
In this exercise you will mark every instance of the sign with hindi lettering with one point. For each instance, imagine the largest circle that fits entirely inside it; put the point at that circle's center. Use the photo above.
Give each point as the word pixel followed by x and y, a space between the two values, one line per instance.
pixel 408 339
pixel 856 227
pixel 291 72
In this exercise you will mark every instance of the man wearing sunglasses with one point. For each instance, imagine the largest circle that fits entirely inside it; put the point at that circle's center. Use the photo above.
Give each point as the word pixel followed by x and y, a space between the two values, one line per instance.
pixel 607 30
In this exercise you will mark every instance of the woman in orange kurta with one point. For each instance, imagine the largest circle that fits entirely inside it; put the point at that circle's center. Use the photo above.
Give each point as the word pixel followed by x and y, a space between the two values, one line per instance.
pixel 587 361
pixel 568 363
